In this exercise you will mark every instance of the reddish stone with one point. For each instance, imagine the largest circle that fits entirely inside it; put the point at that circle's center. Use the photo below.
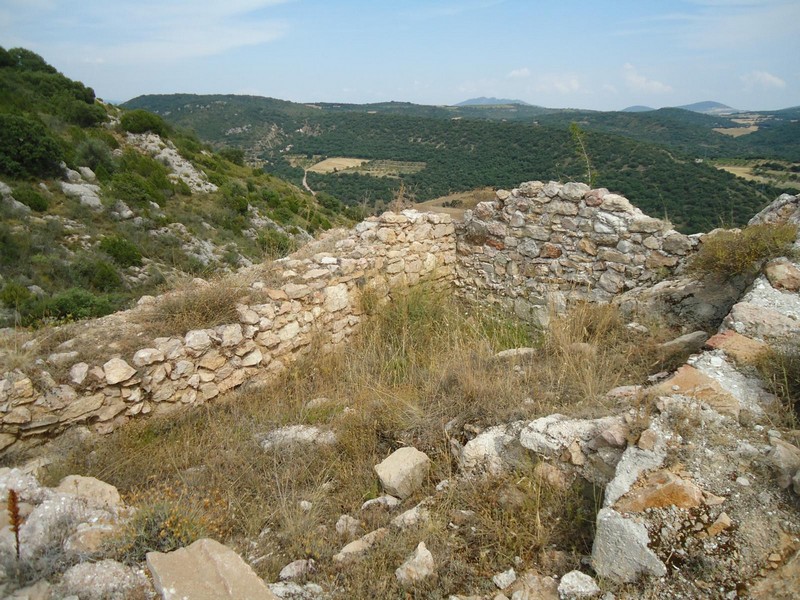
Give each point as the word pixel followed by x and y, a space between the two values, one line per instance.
pixel 550 251
pixel 742 348
pixel 661 489
pixel 688 381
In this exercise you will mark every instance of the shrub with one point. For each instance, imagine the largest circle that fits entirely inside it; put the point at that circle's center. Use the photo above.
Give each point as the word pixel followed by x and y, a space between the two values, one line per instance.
pixel 275 244
pixel 15 295
pixel 731 253
pixel 134 189
pixel 142 121
pixel 31 198
pixel 121 251
pixel 234 155
pixel 163 522
pixel 97 274
pixel 74 303
pixel 94 153
pixel 27 149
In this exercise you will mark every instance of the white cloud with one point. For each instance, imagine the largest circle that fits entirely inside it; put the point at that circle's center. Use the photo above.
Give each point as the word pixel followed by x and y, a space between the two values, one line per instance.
pixel 762 79
pixel 154 31
pixel 607 87
pixel 640 83
pixel 519 73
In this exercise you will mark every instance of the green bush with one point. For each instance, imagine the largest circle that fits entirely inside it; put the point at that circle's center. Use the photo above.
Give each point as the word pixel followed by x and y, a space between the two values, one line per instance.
pixel 27 149
pixel 31 198
pixel 121 251
pixel 74 303
pixel 275 244
pixel 15 295
pixel 733 252
pixel 141 121
pixel 134 189
pixel 97 274
pixel 94 153
pixel 234 155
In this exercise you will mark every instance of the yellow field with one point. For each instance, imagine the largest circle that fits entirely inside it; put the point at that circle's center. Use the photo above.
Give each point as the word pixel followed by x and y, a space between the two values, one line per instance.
pixel 736 131
pixel 330 165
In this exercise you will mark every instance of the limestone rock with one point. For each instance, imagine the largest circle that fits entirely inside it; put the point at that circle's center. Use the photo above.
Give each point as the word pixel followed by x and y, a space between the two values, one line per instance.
pixel 693 383
pixel 205 570
pixel 504 579
pixel 348 526
pixel 492 451
pixel 781 584
pixel 360 546
pixel 688 343
pixel 575 585
pixel 117 370
pixel 104 580
pixel 385 501
pixel 620 551
pixel 760 322
pixel 296 434
pixel 412 517
pixel 197 340
pixel 403 471
pixel 785 459
pixel 96 493
pixel 147 356
pixel 417 567
pixel 297 569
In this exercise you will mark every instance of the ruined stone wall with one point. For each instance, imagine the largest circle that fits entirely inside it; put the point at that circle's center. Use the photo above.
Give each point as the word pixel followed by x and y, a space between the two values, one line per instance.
pixel 314 298
pixel 543 245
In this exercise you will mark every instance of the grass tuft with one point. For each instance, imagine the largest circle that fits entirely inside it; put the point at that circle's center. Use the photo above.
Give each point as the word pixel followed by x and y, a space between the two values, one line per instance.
pixel 729 253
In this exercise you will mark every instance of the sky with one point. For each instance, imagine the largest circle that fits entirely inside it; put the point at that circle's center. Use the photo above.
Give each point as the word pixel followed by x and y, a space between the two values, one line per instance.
pixel 590 54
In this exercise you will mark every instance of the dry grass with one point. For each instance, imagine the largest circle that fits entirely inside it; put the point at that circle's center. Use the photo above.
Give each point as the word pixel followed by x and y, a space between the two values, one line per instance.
pixel 421 362
pixel 736 252
pixel 194 305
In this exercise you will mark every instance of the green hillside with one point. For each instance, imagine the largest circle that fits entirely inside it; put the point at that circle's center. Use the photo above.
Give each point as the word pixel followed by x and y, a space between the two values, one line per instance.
pixel 460 152
pixel 99 206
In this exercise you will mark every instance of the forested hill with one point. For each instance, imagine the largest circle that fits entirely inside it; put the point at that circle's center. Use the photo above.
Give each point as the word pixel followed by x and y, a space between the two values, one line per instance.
pixel 432 153
pixel 99 206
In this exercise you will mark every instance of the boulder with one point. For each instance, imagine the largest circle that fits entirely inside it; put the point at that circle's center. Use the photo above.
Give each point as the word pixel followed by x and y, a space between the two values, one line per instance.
pixel 403 471
pixel 360 546
pixel 205 570
pixel 96 493
pixel 620 551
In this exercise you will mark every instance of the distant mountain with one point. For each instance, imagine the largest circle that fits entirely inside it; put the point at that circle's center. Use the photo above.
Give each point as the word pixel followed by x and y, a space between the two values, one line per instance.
pixel 637 108
pixel 709 107
pixel 483 101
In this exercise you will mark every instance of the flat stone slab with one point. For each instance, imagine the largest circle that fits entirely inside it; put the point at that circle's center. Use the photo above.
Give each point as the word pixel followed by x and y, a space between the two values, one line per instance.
pixel 205 570
pixel 692 383
pixel 741 348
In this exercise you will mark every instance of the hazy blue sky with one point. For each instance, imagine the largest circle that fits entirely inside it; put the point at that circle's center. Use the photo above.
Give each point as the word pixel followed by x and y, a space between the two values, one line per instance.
pixel 559 53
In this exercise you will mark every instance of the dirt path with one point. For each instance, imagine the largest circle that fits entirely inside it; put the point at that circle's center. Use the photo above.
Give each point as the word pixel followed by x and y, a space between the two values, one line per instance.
pixel 305 183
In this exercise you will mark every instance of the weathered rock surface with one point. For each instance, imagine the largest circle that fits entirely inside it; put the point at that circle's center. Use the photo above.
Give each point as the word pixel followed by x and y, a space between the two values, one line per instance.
pixel 403 471
pixel 575 585
pixel 205 570
pixel 417 567
pixel 621 551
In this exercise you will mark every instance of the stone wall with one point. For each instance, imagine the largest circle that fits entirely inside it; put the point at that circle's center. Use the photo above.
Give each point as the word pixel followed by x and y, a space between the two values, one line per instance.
pixel 543 245
pixel 315 298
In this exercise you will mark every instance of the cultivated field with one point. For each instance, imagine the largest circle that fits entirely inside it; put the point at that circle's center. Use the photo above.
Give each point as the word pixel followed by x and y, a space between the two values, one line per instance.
pixel 338 163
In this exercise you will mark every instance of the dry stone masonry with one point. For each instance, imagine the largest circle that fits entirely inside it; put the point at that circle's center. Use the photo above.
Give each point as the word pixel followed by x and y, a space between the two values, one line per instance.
pixel 316 298
pixel 543 245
